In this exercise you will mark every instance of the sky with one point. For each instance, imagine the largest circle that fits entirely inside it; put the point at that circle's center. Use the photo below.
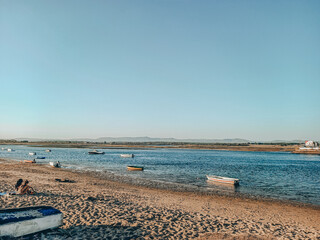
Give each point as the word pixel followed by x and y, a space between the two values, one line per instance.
pixel 160 68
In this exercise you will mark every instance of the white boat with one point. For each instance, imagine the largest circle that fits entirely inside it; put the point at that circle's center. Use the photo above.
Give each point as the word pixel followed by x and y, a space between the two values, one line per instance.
pixel 48 150
pixel 10 150
pixel 95 152
pixel 32 153
pixel 226 180
pixel 55 164
pixel 18 222
pixel 3 148
pixel 127 155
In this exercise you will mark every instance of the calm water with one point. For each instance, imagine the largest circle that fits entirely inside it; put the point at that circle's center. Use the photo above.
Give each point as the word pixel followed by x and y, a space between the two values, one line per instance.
pixel 283 176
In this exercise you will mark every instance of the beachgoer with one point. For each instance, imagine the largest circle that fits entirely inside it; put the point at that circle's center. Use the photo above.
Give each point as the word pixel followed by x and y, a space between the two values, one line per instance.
pixel 25 189
pixel 18 184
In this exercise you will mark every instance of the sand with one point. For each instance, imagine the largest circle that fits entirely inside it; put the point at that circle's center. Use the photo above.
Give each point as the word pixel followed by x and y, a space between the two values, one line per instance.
pixel 95 208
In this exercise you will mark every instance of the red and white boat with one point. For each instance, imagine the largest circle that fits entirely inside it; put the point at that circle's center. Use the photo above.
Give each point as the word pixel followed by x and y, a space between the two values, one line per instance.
pixel 226 180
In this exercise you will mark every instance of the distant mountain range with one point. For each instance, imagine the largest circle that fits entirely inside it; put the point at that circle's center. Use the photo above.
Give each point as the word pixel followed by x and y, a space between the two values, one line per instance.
pixel 149 139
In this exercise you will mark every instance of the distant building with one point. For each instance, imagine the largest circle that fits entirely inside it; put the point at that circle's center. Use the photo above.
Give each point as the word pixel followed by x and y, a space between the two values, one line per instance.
pixel 310 145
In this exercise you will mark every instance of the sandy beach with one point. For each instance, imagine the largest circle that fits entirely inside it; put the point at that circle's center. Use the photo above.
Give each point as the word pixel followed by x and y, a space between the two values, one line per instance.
pixel 96 208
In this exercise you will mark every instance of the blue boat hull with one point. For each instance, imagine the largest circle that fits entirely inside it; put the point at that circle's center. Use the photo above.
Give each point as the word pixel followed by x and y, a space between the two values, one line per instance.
pixel 22 221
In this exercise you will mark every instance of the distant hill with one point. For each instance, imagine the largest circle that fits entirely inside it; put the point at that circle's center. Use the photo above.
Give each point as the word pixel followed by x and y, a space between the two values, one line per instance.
pixel 148 139
pixel 139 139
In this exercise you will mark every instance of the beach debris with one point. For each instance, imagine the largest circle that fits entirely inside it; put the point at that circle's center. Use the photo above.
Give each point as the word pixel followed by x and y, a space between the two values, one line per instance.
pixel 92 199
pixel 65 180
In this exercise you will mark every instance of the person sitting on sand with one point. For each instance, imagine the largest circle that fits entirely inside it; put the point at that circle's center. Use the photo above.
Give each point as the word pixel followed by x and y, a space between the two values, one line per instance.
pixel 17 189
pixel 18 185
pixel 25 189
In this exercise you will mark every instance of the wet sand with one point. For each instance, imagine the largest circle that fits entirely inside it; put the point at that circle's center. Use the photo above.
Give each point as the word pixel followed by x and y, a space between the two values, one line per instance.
pixel 96 208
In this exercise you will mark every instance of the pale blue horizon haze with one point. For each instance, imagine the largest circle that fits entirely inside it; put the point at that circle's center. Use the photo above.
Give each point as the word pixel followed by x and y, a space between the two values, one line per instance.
pixel 182 69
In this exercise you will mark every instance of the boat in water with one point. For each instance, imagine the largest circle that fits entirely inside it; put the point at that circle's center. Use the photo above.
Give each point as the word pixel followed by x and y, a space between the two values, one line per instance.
pixel 40 157
pixel 10 150
pixel 127 155
pixel 32 153
pixel 18 222
pixel 226 180
pixel 134 168
pixel 95 152
pixel 48 150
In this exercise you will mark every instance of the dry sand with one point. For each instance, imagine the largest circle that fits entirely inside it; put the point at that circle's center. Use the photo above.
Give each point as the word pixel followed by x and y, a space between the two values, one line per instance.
pixel 95 208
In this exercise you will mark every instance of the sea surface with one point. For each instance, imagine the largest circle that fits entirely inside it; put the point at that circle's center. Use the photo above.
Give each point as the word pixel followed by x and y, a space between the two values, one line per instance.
pixel 275 175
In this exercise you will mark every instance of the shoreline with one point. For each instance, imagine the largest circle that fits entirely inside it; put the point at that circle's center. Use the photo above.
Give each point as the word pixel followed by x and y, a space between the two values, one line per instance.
pixel 153 184
pixel 99 208
pixel 150 146
pixel 184 188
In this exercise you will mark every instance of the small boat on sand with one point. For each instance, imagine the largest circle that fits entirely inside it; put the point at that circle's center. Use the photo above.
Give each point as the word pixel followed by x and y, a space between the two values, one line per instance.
pixel 127 155
pixel 95 152
pixel 32 153
pixel 134 168
pixel 55 164
pixel 226 180
pixel 18 222
pixel 30 161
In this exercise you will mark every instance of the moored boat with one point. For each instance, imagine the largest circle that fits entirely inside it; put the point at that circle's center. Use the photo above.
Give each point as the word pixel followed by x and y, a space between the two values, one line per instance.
pixel 55 164
pixel 134 168
pixel 30 161
pixel 18 222
pixel 10 150
pixel 95 152
pixel 32 153
pixel 127 155
pixel 48 150
pixel 226 180
pixel 40 157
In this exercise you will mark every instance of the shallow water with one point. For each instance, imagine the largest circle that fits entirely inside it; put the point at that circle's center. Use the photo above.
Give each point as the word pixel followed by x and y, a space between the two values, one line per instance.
pixel 274 175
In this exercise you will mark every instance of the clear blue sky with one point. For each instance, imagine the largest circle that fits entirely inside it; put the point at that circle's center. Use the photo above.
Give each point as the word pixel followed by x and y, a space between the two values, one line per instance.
pixel 160 68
